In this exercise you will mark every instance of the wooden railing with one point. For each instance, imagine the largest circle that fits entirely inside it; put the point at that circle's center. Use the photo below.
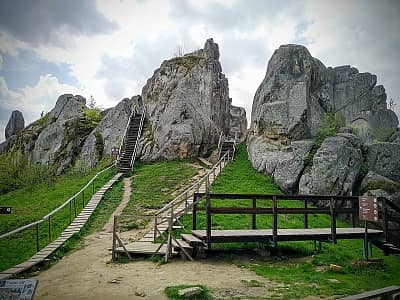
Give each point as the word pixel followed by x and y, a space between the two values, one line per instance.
pixel 183 198
pixel 388 210
pixel 274 210
pixel 143 112
pixel 125 133
pixel 72 202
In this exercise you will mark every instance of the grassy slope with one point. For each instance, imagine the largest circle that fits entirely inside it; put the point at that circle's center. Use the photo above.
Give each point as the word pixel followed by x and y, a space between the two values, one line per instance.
pixel 152 186
pixel 304 274
pixel 32 204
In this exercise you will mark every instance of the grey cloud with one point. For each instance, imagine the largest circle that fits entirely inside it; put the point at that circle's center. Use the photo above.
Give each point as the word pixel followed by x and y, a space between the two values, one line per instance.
pixel 41 21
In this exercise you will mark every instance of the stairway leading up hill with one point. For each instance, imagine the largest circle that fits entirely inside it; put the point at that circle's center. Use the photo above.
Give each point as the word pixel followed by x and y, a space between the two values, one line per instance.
pixel 129 146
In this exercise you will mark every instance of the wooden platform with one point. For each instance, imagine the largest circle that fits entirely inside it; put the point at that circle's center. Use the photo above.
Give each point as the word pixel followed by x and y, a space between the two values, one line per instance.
pixel 265 235
pixel 73 228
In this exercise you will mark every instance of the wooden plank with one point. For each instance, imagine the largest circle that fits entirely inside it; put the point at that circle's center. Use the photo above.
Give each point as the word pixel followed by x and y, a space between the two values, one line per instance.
pixel 192 239
pixel 387 291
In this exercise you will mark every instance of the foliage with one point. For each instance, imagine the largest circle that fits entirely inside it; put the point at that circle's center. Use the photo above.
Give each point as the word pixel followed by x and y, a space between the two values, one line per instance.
pixel 31 203
pixel 172 292
pixel 329 126
pixel 383 134
pixel 43 121
pixel 90 118
pixel 16 172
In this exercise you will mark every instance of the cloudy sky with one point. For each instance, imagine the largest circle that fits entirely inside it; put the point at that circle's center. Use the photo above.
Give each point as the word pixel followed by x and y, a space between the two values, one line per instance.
pixel 109 49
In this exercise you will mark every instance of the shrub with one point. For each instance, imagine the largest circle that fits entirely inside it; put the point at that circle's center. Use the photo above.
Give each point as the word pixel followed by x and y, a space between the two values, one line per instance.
pixel 90 118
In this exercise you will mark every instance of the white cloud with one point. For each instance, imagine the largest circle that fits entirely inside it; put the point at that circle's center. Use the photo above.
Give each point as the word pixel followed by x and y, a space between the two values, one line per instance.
pixel 31 100
pixel 1 61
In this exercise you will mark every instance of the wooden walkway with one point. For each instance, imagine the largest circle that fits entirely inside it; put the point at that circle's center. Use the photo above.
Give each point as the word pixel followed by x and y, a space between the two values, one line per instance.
pixel 73 228
pixel 146 245
pixel 265 235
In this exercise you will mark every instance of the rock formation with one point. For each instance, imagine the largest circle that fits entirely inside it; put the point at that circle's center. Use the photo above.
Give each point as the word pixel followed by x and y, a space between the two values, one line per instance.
pixel 15 124
pixel 188 105
pixel 296 94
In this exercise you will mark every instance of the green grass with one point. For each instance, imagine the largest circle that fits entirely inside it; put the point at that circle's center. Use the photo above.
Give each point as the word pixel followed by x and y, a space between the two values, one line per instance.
pixel 31 204
pixel 152 186
pixel 172 293
pixel 300 271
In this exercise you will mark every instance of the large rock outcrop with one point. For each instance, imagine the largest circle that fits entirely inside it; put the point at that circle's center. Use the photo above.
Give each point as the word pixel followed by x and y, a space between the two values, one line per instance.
pixel 335 167
pixel 289 105
pixel 59 141
pixel 108 133
pixel 188 105
pixel 15 124
pixel 384 159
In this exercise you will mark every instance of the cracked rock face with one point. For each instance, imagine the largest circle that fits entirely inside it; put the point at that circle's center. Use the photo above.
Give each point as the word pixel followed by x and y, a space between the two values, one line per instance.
pixel 15 124
pixel 188 105
pixel 289 105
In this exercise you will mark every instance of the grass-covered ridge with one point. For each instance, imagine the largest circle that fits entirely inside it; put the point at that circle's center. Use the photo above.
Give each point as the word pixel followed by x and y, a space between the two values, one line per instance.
pixel 300 271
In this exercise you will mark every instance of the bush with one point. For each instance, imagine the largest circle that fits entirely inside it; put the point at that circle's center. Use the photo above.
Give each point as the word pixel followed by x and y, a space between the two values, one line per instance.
pixel 90 118
pixel 329 126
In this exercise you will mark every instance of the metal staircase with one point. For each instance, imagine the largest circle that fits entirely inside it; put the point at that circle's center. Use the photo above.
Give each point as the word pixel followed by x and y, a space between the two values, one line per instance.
pixel 130 142
pixel 390 223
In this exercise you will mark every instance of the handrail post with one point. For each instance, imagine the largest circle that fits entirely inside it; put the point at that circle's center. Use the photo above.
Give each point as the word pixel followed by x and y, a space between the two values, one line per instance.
pixel 305 214
pixel 70 211
pixel 75 206
pixel 385 219
pixel 83 199
pixel 254 215
pixel 194 212
pixel 208 223
pixel 333 219
pixel 37 238
pixel 274 221
pixel 49 228
pixel 93 185
pixel 155 227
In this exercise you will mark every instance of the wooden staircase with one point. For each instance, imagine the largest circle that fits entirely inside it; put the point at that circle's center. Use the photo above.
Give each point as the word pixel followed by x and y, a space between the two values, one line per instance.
pixel 226 144
pixel 129 147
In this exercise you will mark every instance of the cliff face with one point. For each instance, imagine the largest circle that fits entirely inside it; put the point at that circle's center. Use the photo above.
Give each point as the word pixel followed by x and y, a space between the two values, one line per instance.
pixel 188 105
pixel 288 109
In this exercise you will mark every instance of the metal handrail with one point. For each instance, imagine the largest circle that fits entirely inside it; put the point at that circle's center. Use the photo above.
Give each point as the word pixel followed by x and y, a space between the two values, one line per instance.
pixel 125 133
pixel 138 137
pixel 46 217
pixel 220 144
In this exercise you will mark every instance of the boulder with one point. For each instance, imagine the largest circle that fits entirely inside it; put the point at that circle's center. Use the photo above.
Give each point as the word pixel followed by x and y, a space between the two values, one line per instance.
pixel 284 163
pixel 373 181
pixel 110 130
pixel 15 124
pixel 298 89
pixel 188 105
pixel 383 159
pixel 335 167
pixel 238 123
pixel 58 143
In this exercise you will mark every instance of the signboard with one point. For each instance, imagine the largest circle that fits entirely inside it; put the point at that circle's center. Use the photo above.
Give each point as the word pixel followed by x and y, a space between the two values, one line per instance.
pixel 115 151
pixel 23 289
pixel 5 210
pixel 368 208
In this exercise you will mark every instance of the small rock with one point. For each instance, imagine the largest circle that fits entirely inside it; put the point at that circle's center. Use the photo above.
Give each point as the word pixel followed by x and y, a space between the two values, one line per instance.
pixel 335 268
pixel 188 292
pixel 333 280
pixel 140 294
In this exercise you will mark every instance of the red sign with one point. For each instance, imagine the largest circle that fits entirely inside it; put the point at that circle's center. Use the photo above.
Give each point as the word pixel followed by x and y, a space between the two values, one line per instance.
pixel 368 208
pixel 115 151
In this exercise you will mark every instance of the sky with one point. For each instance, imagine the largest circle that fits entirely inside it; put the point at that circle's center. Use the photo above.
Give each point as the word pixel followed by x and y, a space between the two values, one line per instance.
pixel 109 48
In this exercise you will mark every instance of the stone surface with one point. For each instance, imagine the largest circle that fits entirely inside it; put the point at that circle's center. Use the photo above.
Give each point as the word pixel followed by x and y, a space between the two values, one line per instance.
pixel 190 292
pixel 238 123
pixel 373 181
pixel 59 141
pixel 188 105
pixel 335 167
pixel 284 163
pixel 111 129
pixel 15 124
pixel 298 89
pixel 384 159
pixel 289 105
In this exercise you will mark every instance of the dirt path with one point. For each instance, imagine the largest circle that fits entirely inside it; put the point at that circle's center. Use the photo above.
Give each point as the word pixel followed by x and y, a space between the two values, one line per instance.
pixel 87 273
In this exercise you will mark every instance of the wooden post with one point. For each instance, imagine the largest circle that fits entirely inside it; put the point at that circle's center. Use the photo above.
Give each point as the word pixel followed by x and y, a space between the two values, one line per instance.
pixel 70 212
pixel 208 223
pixel 75 206
pixel 93 186
pixel 274 220
pixel 254 215
pixel 155 228
pixel 214 174
pixel 333 219
pixel 207 182
pixel 385 219
pixel 186 201
pixel 365 240
pixel 194 213
pixel 37 238
pixel 113 256
pixel 49 229
pixel 83 199
pixel 305 214
pixel 353 215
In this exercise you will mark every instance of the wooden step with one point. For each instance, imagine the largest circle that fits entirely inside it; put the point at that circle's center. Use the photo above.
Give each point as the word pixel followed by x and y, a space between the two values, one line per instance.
pixel 191 239
pixel 184 245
